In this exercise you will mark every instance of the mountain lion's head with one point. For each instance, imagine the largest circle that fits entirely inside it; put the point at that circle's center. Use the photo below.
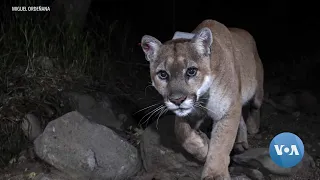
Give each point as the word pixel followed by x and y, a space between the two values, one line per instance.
pixel 180 69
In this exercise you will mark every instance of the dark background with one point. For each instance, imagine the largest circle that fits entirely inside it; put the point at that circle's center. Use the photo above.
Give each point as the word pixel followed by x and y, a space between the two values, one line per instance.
pixel 281 28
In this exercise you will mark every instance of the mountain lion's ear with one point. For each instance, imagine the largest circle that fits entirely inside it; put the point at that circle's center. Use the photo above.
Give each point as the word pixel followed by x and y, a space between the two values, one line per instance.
pixel 150 47
pixel 203 41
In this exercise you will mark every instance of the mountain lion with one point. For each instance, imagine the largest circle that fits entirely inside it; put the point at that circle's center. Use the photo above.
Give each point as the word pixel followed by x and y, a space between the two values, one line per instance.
pixel 212 74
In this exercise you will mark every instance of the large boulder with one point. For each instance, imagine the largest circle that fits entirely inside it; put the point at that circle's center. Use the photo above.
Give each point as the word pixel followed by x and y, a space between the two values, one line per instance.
pixel 86 150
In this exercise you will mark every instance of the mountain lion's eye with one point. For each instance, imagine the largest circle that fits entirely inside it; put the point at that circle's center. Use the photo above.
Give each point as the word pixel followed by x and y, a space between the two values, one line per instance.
pixel 191 71
pixel 163 75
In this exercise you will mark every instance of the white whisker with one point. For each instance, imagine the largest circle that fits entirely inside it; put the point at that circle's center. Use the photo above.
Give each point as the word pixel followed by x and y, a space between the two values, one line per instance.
pixel 152 113
pixel 147 107
pixel 164 110
pixel 154 110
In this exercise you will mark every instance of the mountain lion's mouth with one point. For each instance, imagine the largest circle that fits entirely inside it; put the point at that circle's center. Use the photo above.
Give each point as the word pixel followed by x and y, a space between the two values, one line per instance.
pixel 181 109
pixel 182 112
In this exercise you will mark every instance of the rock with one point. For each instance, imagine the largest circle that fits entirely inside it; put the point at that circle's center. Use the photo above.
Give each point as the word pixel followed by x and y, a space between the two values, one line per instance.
pixel 31 127
pixel 251 174
pixel 97 111
pixel 259 158
pixel 86 150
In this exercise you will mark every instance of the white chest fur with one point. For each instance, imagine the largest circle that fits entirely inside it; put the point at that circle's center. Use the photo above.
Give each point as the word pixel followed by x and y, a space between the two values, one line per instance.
pixel 219 102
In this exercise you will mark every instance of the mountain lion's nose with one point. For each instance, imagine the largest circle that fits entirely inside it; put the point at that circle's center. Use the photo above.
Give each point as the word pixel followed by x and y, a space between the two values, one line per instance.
pixel 177 100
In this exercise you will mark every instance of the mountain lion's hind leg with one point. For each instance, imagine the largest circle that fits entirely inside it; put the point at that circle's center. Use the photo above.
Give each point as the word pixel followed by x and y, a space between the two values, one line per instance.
pixel 253 120
pixel 241 143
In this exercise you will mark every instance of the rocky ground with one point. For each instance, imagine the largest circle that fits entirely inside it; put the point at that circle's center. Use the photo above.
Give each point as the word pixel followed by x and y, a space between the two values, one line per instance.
pixel 94 134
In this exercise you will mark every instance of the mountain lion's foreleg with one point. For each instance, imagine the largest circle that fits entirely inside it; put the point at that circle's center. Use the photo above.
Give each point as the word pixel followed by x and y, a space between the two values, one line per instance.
pixel 193 141
pixel 222 140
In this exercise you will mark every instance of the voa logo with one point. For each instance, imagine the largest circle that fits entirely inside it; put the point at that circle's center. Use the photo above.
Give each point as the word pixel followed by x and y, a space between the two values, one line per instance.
pixel 286 149
pixel 293 150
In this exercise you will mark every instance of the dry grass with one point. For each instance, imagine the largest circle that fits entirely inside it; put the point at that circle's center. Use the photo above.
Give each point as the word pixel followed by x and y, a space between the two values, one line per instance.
pixel 38 62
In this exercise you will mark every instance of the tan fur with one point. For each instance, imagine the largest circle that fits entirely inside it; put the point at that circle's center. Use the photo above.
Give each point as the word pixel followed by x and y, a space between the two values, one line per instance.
pixel 229 75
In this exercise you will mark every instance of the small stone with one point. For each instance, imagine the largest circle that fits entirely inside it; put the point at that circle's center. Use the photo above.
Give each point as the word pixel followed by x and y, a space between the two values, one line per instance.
pixel 23 156
pixel 31 127
pixel 13 160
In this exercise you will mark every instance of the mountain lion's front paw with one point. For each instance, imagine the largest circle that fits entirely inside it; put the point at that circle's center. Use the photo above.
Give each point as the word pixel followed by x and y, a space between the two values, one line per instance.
pixel 216 168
